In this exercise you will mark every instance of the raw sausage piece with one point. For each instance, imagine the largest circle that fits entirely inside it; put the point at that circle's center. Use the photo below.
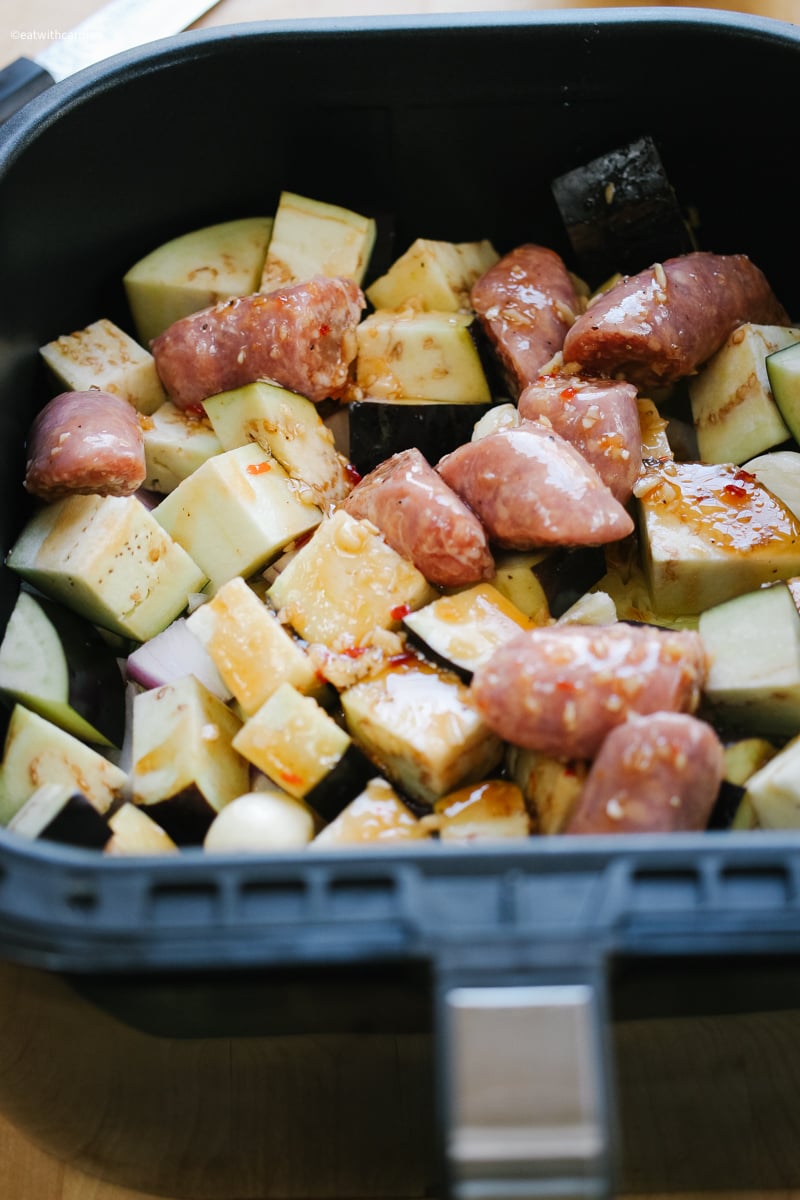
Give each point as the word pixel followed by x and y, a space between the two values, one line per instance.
pixel 531 488
pixel 601 419
pixel 664 323
pixel 525 303
pixel 301 337
pixel 659 774
pixel 88 443
pixel 560 689
pixel 423 520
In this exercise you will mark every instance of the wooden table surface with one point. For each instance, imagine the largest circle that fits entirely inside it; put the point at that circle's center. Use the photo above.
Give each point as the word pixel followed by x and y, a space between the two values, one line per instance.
pixel 26 1173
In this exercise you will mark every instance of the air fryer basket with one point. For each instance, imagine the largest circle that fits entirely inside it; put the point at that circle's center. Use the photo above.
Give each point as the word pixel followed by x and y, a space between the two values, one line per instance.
pixel 448 128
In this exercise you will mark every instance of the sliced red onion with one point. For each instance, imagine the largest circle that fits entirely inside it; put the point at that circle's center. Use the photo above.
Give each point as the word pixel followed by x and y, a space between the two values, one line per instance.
pixel 171 655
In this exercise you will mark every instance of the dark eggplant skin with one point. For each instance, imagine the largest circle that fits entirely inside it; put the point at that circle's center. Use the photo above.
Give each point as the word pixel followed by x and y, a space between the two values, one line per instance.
pixel 425 650
pixel 78 823
pixel 186 816
pixel 96 684
pixel 726 805
pixel 380 429
pixel 342 784
pixel 96 687
pixel 621 212
pixel 566 575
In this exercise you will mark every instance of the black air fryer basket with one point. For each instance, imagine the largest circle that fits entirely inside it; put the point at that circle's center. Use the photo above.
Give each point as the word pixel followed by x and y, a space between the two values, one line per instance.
pixel 474 1021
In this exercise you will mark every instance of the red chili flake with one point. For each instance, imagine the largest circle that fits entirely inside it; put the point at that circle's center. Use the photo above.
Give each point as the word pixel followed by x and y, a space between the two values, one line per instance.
pixel 353 476
pixel 354 651
pixel 735 491
pixel 565 685
pixel 744 476
pixel 399 611
pixel 568 393
pixel 258 468
pixel 323 329
pixel 398 660
pixel 290 777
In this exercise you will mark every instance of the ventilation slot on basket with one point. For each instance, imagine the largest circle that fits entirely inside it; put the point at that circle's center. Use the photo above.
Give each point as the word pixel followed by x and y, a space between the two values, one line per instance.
pixel 665 890
pixel 83 900
pixel 278 899
pixel 187 904
pixel 755 887
pixel 369 898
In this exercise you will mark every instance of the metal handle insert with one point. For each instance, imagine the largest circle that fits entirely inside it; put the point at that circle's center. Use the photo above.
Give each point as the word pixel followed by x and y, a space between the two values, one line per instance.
pixel 523 1091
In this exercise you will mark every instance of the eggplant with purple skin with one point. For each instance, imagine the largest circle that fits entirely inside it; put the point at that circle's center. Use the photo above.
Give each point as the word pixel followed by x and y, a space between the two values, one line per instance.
pixel 546 583
pixel 305 751
pixel 59 813
pixel 54 662
pixel 380 428
pixel 185 768
pixel 621 212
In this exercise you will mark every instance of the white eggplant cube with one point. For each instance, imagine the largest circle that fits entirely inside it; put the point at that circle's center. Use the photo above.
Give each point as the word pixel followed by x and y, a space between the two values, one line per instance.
pixel 185 768
pixel 250 648
pixel 410 355
pixel 734 411
pixel 434 275
pixel 194 271
pixel 103 356
pixel 709 532
pixel 37 753
pixel 419 723
pixel 293 741
pixel 312 237
pixel 289 427
pixel 236 513
pixel 345 583
pixel 175 445
pixel 107 558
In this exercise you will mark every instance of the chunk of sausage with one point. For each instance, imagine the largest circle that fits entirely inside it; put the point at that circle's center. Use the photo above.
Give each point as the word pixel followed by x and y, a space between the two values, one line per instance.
pixel 84 443
pixel 423 520
pixel 599 418
pixel 525 304
pixel 561 689
pixel 531 488
pixel 664 323
pixel 659 774
pixel 301 337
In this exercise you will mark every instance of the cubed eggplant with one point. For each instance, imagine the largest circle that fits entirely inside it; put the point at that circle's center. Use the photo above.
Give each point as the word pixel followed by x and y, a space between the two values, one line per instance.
pixel 379 428
pixel 59 813
pixel 60 666
pixel 621 212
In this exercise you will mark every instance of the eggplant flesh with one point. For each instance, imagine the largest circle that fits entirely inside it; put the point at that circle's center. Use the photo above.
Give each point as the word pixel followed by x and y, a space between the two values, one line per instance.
pixel 60 666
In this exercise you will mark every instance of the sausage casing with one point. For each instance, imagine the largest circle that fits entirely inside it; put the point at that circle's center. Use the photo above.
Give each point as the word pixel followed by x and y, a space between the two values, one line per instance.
pixel 301 337
pixel 600 418
pixel 85 443
pixel 561 689
pixel 662 324
pixel 531 488
pixel 423 520
pixel 525 303
pixel 659 774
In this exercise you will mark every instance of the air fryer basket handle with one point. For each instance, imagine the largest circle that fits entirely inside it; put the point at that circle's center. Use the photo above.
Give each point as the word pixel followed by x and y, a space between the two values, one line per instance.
pixel 523 1091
